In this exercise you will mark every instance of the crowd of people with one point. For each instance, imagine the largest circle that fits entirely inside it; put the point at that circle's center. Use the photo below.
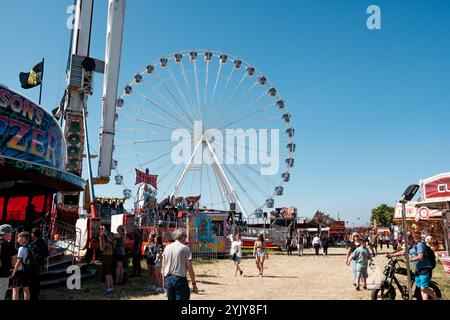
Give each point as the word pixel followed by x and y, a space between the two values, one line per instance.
pixel 22 262
pixel 360 259
pixel 167 265
pixel 300 241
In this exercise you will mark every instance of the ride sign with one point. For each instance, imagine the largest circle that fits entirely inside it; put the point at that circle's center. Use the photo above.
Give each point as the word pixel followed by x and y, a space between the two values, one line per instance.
pixel 28 132
pixel 437 188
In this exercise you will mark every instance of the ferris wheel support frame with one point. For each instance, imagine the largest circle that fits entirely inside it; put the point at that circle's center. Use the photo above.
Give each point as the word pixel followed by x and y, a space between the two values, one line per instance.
pixel 186 170
pixel 224 183
pixel 229 191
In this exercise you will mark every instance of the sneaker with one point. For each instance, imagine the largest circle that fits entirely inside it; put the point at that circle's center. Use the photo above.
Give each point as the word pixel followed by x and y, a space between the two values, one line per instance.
pixel 358 289
pixel 354 284
pixel 365 287
pixel 108 291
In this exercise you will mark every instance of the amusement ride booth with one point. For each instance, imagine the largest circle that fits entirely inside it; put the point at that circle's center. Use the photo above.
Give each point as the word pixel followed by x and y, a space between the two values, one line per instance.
pixel 429 218
pixel 32 160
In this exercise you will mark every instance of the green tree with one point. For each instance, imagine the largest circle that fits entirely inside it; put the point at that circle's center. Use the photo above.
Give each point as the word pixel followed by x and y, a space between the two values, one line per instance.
pixel 383 215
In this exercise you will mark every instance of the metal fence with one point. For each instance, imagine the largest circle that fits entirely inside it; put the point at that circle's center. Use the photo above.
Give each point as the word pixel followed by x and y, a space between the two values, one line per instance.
pixel 63 236
pixel 201 251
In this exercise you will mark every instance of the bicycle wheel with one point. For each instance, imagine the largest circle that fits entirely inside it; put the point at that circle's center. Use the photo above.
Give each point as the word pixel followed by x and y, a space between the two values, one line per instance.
pixel 384 293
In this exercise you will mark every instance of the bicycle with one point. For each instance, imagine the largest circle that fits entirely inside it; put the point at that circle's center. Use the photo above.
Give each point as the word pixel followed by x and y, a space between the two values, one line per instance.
pixel 386 289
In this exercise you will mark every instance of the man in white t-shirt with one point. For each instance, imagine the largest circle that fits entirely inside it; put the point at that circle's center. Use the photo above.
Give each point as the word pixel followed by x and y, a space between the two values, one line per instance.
pixel 176 263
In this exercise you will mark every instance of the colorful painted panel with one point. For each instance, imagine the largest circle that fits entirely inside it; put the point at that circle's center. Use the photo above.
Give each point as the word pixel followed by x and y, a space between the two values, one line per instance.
pixel 209 230
pixel 28 132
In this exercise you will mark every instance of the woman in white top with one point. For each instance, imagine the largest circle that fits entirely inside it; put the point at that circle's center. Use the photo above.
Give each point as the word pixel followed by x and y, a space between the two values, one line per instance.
pixel 317 244
pixel 236 253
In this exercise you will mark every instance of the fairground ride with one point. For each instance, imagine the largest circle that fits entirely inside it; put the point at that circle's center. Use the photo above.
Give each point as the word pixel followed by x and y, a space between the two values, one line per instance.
pixel 80 77
pixel 226 118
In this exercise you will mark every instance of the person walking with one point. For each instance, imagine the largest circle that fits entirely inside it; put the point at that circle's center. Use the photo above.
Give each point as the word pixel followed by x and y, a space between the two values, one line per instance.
pixel 288 244
pixel 260 254
pixel 119 253
pixel 325 244
pixel 386 239
pixel 355 242
pixel 39 249
pixel 107 249
pixel 300 244
pixel 316 244
pixel 8 257
pixel 20 274
pixel 422 265
pixel 176 263
pixel 157 276
pixel 363 258
pixel 137 252
pixel 236 253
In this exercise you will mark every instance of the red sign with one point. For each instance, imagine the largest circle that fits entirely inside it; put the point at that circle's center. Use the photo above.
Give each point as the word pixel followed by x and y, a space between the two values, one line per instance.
pixel 437 187
pixel 424 213
pixel 146 178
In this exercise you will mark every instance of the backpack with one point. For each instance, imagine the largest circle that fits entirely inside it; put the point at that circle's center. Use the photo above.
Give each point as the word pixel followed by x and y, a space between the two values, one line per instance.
pixel 36 256
pixel 431 257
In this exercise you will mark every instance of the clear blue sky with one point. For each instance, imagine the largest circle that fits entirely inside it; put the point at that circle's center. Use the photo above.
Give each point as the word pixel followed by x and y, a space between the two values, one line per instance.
pixel 371 109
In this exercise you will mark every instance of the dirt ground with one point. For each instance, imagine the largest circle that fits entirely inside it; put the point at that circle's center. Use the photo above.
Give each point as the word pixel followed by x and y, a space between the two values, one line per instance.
pixel 285 278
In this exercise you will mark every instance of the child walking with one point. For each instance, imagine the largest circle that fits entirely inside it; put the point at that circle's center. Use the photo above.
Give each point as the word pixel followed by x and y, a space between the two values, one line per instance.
pixel 363 259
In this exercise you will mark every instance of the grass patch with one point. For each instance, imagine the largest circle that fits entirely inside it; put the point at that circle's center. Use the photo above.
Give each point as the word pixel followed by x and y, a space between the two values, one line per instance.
pixel 442 279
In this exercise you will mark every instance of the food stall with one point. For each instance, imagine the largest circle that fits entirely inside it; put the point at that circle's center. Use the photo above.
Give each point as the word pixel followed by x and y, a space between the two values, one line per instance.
pixel 429 218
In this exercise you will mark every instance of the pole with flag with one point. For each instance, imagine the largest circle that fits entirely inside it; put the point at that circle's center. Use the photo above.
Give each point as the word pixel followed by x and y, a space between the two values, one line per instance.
pixel 42 79
pixel 33 78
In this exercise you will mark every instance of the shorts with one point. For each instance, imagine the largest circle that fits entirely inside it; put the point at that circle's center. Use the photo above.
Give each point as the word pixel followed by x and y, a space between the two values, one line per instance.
pixel 361 271
pixel 4 283
pixel 107 265
pixel 21 279
pixel 237 260
pixel 423 279
pixel 260 254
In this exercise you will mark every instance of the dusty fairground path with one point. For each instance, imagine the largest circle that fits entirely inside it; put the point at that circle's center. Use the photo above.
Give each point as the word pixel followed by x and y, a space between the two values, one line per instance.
pixel 285 278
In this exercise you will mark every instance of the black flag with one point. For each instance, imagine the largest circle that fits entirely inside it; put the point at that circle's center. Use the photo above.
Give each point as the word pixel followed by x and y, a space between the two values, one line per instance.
pixel 58 111
pixel 33 78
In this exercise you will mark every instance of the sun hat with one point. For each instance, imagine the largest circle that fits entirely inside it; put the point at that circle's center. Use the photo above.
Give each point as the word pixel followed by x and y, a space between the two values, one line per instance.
pixel 6 228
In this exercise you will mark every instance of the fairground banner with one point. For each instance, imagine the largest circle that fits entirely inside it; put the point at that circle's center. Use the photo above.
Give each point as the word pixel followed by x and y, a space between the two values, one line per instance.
pixel 146 178
pixel 437 188
pixel 414 210
pixel 28 132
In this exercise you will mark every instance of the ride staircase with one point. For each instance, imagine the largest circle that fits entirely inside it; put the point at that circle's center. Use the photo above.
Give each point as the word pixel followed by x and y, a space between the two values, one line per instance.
pixel 63 253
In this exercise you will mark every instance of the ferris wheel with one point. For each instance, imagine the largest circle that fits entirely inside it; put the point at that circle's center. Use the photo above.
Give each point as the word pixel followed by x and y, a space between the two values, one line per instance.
pixel 210 125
